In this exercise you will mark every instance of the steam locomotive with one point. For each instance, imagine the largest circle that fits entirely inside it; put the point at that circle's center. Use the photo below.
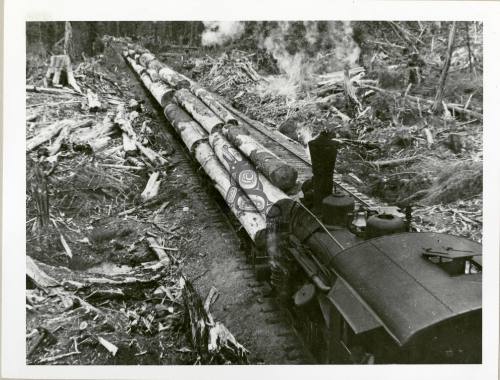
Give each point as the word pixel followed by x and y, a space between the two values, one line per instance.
pixel 361 287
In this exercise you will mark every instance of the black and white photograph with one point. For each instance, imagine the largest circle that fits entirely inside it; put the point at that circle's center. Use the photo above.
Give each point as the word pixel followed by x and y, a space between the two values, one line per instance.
pixel 275 192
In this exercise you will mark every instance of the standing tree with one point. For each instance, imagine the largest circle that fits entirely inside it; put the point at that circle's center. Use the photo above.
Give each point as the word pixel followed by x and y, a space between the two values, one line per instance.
pixel 438 102
pixel 68 39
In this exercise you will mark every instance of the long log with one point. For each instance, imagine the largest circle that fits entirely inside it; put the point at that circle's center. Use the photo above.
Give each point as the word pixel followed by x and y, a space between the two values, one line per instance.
pixel 146 80
pixel 198 110
pixel 155 64
pixel 276 170
pixel 137 68
pixel 214 105
pixel 146 58
pixel 162 93
pixel 256 186
pixel 188 129
pixel 173 78
pixel 251 220
pixel 153 74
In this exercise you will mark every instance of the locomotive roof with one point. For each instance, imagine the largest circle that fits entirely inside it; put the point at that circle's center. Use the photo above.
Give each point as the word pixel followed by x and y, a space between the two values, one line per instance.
pixel 403 290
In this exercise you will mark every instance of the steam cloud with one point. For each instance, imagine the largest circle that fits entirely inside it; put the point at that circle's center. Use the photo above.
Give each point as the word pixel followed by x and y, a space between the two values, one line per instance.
pixel 220 32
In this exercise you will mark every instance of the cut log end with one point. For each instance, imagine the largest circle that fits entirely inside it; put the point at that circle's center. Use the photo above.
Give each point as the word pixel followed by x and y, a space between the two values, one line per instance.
pixel 284 177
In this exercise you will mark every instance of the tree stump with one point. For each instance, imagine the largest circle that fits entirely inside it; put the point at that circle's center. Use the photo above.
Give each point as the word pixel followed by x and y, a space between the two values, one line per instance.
pixel 61 64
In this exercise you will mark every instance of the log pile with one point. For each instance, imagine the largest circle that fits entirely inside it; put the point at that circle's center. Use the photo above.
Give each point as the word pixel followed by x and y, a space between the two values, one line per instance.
pixel 197 116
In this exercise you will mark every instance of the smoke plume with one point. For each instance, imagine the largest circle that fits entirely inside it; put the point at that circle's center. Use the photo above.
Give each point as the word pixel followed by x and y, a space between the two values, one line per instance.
pixel 301 51
pixel 220 32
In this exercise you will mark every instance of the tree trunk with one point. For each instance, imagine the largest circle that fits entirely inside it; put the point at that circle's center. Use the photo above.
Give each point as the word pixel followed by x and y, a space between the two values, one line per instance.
pixel 214 105
pixel 188 129
pixel 251 220
pixel 256 186
pixel 68 39
pixel 277 171
pixel 198 110
pixel 437 106
pixel 173 78
pixel 162 93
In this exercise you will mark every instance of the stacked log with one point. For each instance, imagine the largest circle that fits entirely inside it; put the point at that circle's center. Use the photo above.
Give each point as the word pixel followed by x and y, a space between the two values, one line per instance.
pixel 255 185
pixel 173 78
pixel 240 180
pixel 251 220
pixel 188 129
pixel 214 105
pixel 198 110
pixel 146 58
pixel 276 170
pixel 162 93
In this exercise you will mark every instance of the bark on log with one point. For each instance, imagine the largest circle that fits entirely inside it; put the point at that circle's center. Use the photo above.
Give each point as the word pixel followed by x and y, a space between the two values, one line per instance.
pixel 146 80
pixel 173 78
pixel 277 171
pixel 188 129
pixel 251 220
pixel 146 58
pixel 137 68
pixel 212 340
pixel 256 186
pixel 214 105
pixel 198 110
pixel 162 93
pixel 153 74
pixel 156 65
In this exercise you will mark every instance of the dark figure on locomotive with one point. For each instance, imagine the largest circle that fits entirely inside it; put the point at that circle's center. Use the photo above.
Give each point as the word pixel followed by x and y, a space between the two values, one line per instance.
pixel 363 287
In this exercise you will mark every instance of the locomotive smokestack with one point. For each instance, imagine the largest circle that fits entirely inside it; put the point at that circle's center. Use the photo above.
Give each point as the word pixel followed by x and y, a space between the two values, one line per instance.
pixel 323 155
